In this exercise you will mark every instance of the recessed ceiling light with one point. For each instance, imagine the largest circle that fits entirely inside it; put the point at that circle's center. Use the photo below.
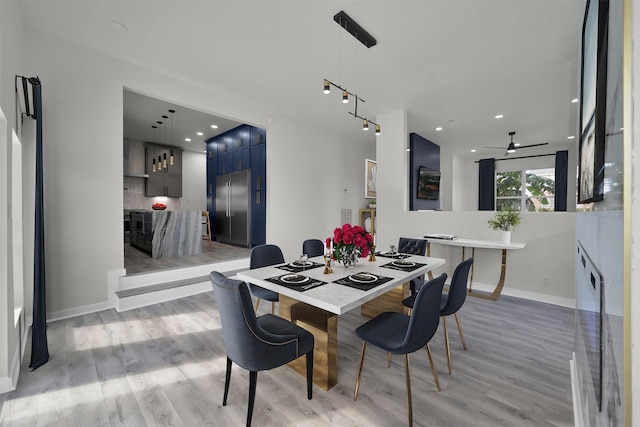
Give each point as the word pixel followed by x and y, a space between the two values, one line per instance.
pixel 188 139
pixel 499 116
pixel 571 137
pixel 408 149
pixel 214 126
pixel 118 26
pixel 439 129
pixel 199 133
pixel 574 100
pixel 474 150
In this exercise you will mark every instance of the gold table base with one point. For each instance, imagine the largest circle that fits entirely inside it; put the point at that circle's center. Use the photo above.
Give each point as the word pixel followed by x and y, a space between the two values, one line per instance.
pixel 324 327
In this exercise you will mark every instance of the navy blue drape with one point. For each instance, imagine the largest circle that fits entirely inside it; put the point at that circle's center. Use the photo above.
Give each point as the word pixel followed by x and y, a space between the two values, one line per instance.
pixel 562 169
pixel 39 347
pixel 486 184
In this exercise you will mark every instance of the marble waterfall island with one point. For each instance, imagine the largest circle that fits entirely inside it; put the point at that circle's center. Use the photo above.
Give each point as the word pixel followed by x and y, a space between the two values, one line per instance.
pixel 176 233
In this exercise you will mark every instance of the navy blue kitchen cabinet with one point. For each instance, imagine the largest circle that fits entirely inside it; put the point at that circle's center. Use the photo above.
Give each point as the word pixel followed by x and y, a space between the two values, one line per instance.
pixel 241 148
pixel 212 172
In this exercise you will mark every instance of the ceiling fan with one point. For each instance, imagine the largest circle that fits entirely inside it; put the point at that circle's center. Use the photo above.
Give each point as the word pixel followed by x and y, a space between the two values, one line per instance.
pixel 512 147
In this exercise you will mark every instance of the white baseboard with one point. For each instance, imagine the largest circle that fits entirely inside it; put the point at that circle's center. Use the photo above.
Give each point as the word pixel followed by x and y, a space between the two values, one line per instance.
pixel 52 316
pixel 575 394
pixel 533 296
pixel 9 383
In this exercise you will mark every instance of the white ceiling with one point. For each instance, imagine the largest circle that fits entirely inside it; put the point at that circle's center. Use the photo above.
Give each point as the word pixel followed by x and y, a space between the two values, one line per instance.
pixel 449 63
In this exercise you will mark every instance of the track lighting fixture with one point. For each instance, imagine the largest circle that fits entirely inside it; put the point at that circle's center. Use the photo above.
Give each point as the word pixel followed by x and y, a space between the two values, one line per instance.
pixel 327 87
pixel 345 99
pixel 153 168
pixel 164 160
pixel 171 157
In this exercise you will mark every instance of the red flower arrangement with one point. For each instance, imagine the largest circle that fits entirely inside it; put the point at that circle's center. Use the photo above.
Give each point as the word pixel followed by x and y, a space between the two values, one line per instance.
pixel 348 239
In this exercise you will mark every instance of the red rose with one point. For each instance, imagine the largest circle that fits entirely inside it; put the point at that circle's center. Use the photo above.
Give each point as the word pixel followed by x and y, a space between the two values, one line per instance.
pixel 347 238
pixel 360 241
pixel 358 229
pixel 337 235
pixel 346 228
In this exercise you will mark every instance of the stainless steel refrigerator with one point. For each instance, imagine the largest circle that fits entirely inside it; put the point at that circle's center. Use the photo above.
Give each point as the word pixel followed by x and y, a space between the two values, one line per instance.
pixel 233 213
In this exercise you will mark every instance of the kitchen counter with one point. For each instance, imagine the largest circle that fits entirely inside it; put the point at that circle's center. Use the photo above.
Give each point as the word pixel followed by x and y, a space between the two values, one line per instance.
pixel 168 234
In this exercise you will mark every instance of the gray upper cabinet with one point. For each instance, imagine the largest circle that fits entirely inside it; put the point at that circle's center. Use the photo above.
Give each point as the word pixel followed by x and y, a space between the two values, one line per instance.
pixel 167 178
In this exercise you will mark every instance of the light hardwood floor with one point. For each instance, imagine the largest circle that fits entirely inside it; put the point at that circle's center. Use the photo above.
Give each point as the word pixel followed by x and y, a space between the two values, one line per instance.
pixel 164 365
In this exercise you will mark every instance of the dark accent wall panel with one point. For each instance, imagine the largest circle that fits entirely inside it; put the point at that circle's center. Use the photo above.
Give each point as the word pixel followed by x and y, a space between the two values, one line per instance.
pixel 422 153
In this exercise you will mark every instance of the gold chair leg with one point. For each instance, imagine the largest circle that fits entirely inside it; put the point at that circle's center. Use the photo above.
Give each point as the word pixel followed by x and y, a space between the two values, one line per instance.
pixel 447 345
pixel 388 360
pixel 408 379
pixel 273 307
pixel 257 305
pixel 355 391
pixel 433 368
pixel 464 346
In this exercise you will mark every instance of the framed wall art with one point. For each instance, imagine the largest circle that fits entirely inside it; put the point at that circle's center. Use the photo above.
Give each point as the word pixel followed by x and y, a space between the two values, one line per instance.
pixel 370 174
pixel 593 79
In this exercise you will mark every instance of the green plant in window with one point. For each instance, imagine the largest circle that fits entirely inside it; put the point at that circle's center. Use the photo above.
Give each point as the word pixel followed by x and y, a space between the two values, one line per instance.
pixel 539 187
pixel 505 220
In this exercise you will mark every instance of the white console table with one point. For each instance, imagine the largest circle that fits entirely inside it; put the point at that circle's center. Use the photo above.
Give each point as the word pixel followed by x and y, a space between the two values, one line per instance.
pixel 481 244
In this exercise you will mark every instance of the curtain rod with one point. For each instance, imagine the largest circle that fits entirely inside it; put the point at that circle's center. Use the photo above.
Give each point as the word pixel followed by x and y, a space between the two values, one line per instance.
pixel 521 157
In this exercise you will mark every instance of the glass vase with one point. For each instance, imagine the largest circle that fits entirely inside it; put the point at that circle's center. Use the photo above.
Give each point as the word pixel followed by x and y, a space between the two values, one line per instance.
pixel 349 257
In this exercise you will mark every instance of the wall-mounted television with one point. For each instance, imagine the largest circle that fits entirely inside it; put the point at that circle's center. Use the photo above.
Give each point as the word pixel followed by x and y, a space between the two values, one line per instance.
pixel 428 184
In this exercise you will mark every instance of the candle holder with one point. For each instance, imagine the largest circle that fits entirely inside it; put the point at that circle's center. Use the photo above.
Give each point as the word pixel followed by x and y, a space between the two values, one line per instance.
pixel 327 265
pixel 372 254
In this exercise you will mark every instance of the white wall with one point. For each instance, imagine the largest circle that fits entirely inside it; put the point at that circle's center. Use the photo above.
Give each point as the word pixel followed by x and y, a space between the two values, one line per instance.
pixel 308 183
pixel 544 270
pixel 194 181
pixel 10 65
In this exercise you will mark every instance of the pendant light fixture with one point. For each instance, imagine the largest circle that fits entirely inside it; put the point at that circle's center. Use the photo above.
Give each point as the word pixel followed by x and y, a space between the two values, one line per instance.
pixel 327 87
pixel 171 137
pixel 154 137
pixel 353 28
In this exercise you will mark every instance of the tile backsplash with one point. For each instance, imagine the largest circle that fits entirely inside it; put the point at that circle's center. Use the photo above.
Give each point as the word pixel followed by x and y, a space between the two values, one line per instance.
pixel 134 198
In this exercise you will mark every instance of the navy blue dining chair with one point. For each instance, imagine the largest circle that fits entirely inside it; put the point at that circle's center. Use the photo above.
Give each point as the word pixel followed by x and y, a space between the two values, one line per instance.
pixel 451 303
pixel 411 246
pixel 398 333
pixel 313 247
pixel 256 343
pixel 263 256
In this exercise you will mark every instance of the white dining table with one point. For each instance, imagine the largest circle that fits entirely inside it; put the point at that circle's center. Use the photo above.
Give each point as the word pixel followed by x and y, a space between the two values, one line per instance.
pixel 336 298
pixel 317 308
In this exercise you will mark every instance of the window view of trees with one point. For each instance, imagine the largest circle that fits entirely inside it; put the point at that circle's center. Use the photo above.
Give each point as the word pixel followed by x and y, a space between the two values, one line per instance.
pixel 530 190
